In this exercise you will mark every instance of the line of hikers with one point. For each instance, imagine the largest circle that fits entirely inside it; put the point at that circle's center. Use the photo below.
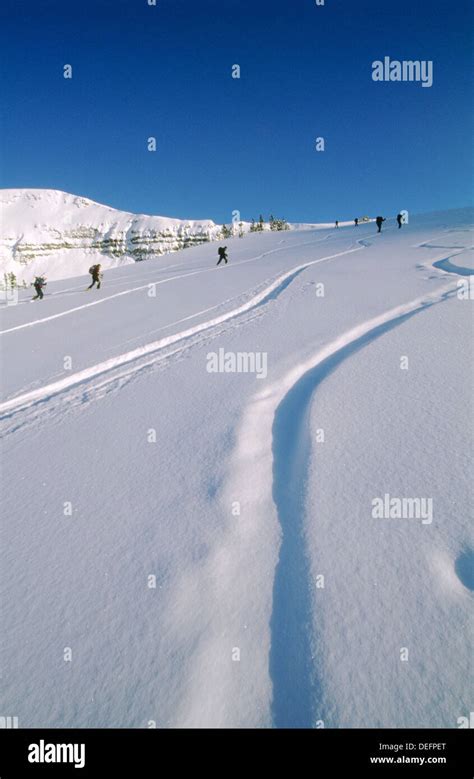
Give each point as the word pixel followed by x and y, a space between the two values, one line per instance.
pixel 40 281
pixel 222 250
pixel 378 221
pixel 96 273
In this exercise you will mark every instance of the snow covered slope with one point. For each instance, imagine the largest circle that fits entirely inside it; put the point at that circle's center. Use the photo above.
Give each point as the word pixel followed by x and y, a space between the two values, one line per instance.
pixel 184 546
pixel 52 232
pixel 44 231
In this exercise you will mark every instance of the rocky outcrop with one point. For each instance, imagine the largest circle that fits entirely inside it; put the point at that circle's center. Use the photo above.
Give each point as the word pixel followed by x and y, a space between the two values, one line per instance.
pixel 52 232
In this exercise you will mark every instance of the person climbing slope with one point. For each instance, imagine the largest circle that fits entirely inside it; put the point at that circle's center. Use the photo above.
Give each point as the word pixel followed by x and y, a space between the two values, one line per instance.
pixel 222 252
pixel 38 284
pixel 94 270
pixel 400 220
pixel 379 222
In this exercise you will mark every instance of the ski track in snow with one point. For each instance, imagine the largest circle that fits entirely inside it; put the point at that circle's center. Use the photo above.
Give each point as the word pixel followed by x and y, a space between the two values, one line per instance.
pixel 134 359
pixel 270 469
pixel 286 407
pixel 444 262
pixel 214 268
pixel 449 267
pixel 296 686
pixel 116 281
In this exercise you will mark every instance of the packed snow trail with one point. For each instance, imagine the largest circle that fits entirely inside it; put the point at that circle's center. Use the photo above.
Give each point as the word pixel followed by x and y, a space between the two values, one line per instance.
pixel 53 233
pixel 151 283
pixel 99 332
pixel 44 393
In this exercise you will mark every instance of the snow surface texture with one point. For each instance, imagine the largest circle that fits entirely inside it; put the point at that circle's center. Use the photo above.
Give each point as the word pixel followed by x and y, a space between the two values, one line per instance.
pixel 53 233
pixel 279 600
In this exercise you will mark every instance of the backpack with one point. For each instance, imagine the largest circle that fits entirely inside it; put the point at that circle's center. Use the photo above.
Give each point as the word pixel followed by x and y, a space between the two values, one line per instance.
pixel 92 268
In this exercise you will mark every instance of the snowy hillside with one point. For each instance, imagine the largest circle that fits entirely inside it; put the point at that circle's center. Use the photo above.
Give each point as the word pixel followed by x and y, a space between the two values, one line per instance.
pixel 45 231
pixel 52 232
pixel 239 496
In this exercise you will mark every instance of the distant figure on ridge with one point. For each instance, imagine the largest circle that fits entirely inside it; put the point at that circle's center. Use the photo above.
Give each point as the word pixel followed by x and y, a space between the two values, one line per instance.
pixel 400 220
pixel 222 252
pixel 94 270
pixel 356 221
pixel 38 284
pixel 337 223
pixel 379 222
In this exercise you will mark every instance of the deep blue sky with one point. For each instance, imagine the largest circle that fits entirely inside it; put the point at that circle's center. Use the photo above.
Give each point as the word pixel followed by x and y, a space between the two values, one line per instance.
pixel 245 144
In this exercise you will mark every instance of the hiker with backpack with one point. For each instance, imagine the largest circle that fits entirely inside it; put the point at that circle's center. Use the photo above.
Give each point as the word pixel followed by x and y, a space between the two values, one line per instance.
pixel 94 270
pixel 222 252
pixel 38 284
pixel 379 222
